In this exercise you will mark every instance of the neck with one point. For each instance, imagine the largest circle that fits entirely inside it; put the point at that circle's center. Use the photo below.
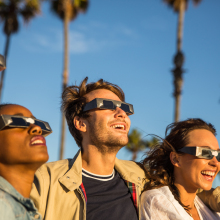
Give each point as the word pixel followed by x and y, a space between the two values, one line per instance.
pixel 186 196
pixel 19 177
pixel 98 162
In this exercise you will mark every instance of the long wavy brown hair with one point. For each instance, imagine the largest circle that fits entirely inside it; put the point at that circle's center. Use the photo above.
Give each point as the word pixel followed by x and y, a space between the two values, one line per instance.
pixel 158 168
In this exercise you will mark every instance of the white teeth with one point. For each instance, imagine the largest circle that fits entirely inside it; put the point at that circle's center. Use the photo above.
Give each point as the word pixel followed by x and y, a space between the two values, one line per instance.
pixel 208 173
pixel 38 142
pixel 118 126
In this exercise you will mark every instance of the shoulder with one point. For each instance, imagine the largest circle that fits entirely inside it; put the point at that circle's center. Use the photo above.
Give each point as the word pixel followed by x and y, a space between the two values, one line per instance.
pixel 160 198
pixel 211 198
pixel 46 174
pixel 53 168
pixel 205 209
pixel 157 195
pixel 130 172
pixel 8 206
pixel 128 166
pixel 58 168
pixel 161 204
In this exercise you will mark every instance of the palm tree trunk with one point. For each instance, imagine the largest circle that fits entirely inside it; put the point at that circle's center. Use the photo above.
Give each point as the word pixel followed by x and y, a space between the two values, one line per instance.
pixel 177 107
pixel 3 72
pixel 65 76
pixel 178 80
pixel 180 25
pixel 134 156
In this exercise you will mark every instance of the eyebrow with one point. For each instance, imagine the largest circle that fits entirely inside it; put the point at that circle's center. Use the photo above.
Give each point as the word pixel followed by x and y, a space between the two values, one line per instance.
pixel 20 114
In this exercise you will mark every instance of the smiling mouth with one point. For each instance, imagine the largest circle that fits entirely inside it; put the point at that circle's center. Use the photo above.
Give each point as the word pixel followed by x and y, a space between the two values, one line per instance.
pixel 38 140
pixel 118 127
pixel 208 175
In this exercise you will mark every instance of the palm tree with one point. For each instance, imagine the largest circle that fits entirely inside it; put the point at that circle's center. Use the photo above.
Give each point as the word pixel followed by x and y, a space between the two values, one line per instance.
pixel 67 10
pixel 179 6
pixel 2 63
pixel 10 10
pixel 136 143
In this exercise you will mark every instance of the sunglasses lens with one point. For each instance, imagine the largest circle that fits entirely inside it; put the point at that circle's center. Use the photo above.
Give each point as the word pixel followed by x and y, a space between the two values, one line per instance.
pixel 40 124
pixel 207 154
pixel 125 108
pixel 108 104
pixel 19 122
pixel 218 157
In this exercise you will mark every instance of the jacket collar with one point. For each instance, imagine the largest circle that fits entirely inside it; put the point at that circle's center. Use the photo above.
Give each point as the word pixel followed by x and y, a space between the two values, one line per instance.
pixel 128 170
pixel 72 179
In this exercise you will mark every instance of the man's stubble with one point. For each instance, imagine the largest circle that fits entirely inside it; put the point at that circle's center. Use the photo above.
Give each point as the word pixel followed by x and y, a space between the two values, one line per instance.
pixel 105 140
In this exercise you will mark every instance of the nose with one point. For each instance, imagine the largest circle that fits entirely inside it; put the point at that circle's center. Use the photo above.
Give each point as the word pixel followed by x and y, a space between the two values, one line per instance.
pixel 35 130
pixel 120 113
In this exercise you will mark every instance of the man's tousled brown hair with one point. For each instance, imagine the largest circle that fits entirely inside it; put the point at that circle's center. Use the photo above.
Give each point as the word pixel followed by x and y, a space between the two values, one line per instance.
pixel 73 101
pixel 158 168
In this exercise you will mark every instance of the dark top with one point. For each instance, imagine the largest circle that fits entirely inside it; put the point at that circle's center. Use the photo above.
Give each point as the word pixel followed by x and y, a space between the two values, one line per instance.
pixel 108 197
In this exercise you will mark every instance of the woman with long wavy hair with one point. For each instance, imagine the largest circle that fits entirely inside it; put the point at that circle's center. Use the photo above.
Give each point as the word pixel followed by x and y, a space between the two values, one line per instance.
pixel 185 161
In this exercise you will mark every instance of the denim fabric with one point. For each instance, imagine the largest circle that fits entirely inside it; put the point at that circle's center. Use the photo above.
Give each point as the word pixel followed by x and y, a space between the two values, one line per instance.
pixel 13 206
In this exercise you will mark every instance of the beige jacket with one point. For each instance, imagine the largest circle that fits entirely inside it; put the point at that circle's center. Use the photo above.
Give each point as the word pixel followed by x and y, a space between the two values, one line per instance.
pixel 56 191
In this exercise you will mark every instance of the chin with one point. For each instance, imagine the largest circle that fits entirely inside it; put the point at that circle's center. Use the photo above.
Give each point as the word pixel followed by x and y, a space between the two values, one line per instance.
pixel 206 187
pixel 43 158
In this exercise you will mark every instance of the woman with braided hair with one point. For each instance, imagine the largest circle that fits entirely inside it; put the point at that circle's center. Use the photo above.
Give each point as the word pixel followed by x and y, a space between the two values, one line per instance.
pixel 185 161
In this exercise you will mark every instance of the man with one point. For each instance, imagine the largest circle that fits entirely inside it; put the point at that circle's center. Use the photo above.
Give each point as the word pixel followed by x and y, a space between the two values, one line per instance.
pixel 94 184
pixel 22 151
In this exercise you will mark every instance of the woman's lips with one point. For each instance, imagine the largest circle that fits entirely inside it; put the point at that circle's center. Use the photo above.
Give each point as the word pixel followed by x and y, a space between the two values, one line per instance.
pixel 38 140
pixel 208 178
pixel 208 175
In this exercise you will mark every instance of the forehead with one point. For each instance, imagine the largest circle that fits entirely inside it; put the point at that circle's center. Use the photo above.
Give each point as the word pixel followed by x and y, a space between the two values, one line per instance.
pixel 101 93
pixel 15 110
pixel 203 137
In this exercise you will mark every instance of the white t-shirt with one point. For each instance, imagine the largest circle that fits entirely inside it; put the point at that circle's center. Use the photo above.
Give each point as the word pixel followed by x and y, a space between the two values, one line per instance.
pixel 160 204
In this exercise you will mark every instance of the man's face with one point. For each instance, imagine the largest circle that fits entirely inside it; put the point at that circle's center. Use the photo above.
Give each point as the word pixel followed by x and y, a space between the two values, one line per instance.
pixel 22 145
pixel 106 129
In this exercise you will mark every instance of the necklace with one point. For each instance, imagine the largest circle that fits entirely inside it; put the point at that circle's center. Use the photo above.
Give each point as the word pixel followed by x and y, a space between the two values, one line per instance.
pixel 189 213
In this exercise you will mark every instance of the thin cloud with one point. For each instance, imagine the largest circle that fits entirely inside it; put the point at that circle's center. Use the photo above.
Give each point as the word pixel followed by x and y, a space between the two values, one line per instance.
pixel 84 39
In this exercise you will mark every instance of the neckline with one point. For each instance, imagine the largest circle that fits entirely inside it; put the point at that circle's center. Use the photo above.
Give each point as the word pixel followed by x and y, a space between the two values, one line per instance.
pixel 88 174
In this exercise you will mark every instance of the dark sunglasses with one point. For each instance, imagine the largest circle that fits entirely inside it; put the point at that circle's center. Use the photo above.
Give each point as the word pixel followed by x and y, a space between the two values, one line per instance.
pixel 14 121
pixel 201 152
pixel 108 104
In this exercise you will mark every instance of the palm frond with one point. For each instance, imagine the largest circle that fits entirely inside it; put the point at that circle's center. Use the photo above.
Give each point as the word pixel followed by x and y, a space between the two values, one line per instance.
pixel 136 143
pixel 175 4
pixel 10 10
pixel 30 9
pixel 73 7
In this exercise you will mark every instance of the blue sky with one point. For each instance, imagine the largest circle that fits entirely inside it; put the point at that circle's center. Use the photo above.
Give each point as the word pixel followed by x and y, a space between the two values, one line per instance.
pixel 129 43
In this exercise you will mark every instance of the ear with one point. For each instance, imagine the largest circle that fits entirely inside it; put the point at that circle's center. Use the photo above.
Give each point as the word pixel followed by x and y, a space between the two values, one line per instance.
pixel 79 124
pixel 175 159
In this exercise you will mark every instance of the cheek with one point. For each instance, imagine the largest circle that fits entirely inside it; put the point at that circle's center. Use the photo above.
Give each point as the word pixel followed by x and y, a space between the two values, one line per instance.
pixel 129 123
pixel 13 139
pixel 218 167
pixel 195 167
pixel 192 165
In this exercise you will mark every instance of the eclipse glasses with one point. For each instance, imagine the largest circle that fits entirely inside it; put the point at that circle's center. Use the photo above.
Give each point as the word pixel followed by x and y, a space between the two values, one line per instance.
pixel 13 121
pixel 201 152
pixel 108 104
